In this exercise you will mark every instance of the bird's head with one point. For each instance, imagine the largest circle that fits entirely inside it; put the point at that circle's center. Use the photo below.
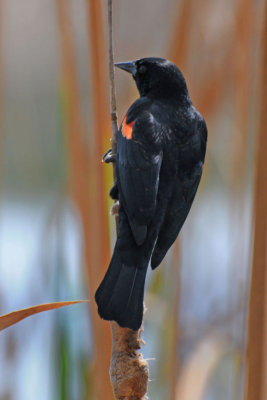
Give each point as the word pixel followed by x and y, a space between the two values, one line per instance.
pixel 156 76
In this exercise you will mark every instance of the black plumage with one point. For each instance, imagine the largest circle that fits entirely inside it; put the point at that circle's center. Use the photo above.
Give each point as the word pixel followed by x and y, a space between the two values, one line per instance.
pixel 160 154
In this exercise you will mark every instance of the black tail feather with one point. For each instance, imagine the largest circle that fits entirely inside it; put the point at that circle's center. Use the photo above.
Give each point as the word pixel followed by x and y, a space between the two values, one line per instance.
pixel 120 296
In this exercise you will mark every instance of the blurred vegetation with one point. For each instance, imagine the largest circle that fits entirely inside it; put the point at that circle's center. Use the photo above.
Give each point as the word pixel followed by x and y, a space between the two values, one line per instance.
pixel 56 235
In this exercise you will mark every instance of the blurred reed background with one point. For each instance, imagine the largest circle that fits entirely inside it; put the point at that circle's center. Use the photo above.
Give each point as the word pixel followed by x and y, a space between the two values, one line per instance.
pixel 56 235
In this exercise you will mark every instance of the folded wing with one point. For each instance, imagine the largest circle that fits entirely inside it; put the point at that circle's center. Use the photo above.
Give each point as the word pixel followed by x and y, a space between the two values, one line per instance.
pixel 139 158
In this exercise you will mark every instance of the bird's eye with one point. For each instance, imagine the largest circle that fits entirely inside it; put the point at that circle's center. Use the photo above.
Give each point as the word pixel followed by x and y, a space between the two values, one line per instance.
pixel 142 69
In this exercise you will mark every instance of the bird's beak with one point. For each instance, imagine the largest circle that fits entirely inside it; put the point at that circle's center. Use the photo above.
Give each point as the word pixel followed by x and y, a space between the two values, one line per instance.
pixel 127 66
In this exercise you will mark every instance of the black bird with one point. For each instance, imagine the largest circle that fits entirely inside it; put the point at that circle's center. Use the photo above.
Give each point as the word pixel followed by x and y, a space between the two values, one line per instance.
pixel 160 154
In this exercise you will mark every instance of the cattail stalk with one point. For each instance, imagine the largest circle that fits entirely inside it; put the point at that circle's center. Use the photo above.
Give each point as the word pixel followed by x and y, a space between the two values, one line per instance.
pixel 128 369
pixel 257 323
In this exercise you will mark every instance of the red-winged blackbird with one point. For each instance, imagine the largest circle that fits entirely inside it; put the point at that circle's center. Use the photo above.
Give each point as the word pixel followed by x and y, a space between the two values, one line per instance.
pixel 160 153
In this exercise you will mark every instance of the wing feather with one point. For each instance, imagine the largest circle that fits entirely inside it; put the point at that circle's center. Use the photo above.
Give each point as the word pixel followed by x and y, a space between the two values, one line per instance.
pixel 138 166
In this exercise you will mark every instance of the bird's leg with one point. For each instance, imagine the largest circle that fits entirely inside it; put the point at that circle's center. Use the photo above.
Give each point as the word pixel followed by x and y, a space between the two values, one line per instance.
pixel 114 192
pixel 109 157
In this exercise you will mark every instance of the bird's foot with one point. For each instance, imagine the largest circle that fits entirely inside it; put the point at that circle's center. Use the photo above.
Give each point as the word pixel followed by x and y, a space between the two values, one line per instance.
pixel 109 157
pixel 115 209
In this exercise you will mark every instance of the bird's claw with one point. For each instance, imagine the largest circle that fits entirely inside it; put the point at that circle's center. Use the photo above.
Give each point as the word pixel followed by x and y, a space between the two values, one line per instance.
pixel 109 157
pixel 114 211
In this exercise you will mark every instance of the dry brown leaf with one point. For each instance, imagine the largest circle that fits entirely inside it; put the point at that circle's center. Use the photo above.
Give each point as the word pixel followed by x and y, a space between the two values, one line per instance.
pixel 16 316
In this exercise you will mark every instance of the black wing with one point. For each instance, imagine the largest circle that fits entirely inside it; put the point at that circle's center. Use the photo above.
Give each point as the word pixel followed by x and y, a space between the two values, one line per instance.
pixel 185 189
pixel 177 211
pixel 139 158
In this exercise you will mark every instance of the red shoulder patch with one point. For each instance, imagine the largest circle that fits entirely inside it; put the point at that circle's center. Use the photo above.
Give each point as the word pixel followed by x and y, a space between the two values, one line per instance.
pixel 127 129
